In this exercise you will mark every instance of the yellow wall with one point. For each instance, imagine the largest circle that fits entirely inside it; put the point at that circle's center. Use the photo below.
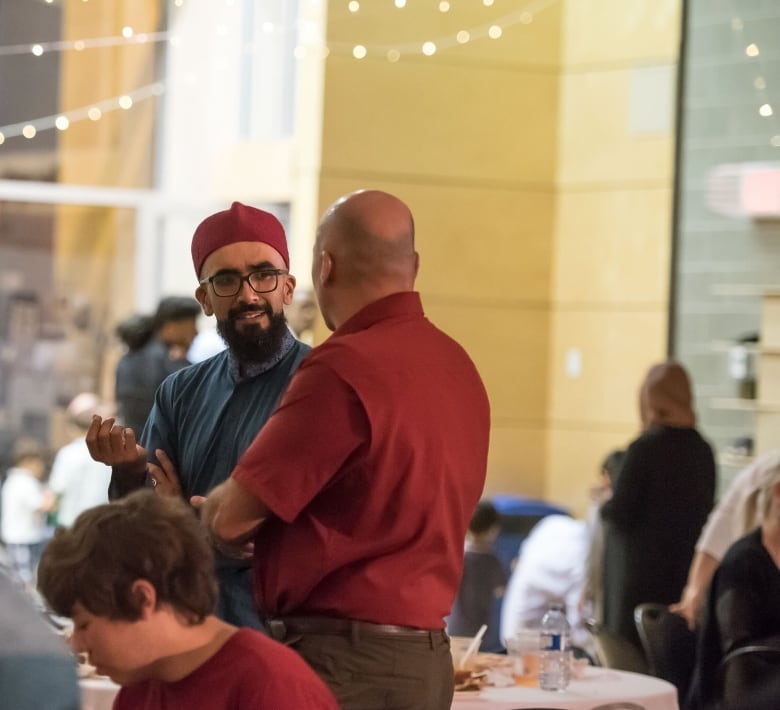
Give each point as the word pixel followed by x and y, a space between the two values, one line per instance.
pixel 467 138
pixel 612 235
pixel 543 217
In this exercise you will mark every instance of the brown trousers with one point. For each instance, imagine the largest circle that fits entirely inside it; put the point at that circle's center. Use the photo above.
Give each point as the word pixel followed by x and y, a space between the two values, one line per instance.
pixel 378 672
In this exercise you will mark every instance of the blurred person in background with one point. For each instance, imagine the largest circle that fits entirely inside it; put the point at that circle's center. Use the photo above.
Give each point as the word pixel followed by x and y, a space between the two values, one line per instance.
pixel 659 503
pixel 206 415
pixel 25 503
pixel 141 369
pixel 734 515
pixel 550 569
pixel 78 481
pixel 742 610
pixel 483 582
pixel 37 670
pixel 137 578
pixel 592 601
pixel 302 315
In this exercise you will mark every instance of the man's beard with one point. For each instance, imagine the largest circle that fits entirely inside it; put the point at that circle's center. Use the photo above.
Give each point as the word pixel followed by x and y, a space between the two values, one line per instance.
pixel 253 343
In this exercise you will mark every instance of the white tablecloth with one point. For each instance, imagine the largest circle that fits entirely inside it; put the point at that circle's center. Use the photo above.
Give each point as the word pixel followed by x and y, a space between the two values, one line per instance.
pixel 599 686
pixel 97 693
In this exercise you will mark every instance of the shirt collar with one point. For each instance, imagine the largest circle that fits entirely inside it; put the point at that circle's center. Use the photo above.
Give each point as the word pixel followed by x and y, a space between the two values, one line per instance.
pixel 403 304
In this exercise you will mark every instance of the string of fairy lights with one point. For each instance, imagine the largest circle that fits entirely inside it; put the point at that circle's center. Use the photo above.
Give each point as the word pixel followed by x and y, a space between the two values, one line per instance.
pixel 493 29
pixel 758 66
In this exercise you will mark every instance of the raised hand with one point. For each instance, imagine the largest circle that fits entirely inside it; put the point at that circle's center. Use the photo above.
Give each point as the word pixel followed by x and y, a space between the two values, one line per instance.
pixel 115 445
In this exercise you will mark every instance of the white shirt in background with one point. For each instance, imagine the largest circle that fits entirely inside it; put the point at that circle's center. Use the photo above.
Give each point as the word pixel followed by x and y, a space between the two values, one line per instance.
pixel 23 523
pixel 80 482
pixel 725 524
pixel 551 568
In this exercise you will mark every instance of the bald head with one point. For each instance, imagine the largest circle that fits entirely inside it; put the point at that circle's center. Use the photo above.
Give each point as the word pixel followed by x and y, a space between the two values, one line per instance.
pixel 364 250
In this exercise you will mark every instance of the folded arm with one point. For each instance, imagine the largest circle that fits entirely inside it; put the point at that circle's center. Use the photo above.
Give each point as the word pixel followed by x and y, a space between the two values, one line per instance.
pixel 231 513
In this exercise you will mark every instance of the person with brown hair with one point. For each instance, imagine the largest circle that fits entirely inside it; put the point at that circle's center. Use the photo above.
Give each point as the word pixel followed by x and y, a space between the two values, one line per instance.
pixel 359 489
pixel 659 503
pixel 137 578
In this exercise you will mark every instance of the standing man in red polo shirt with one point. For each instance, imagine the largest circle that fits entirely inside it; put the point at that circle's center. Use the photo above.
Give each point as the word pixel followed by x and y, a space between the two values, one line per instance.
pixel 358 491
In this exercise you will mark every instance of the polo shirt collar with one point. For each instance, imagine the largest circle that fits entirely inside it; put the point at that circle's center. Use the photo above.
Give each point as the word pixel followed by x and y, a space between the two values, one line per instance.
pixel 403 303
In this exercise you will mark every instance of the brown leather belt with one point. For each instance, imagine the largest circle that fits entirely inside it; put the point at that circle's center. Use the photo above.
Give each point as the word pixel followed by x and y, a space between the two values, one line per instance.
pixel 280 629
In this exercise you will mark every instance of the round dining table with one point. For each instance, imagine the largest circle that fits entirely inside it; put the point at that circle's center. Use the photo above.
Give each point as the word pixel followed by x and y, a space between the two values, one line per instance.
pixel 599 688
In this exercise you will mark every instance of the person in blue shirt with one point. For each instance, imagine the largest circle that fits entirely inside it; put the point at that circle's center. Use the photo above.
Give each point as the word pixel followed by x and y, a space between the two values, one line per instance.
pixel 483 582
pixel 206 415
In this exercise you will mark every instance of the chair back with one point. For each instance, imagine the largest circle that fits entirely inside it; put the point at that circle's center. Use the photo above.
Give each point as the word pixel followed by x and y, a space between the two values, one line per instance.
pixel 749 676
pixel 613 651
pixel 624 705
pixel 668 643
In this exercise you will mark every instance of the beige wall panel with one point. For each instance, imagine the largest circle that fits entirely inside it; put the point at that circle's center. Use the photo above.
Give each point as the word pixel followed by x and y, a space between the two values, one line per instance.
pixel 574 461
pixel 437 123
pixel 480 243
pixel 516 462
pixel 620 29
pixel 616 349
pixel 380 26
pixel 596 144
pixel 475 244
pixel 613 246
pixel 509 348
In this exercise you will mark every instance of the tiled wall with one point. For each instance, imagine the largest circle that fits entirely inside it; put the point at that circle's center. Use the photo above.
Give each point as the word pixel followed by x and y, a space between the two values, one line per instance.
pixel 719 255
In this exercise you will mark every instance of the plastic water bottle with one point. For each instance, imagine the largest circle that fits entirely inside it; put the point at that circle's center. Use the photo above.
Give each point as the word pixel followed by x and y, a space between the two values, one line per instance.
pixel 554 650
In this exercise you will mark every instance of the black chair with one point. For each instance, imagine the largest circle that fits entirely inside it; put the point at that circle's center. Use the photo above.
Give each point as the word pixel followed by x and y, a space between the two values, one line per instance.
pixel 620 706
pixel 749 677
pixel 613 651
pixel 668 643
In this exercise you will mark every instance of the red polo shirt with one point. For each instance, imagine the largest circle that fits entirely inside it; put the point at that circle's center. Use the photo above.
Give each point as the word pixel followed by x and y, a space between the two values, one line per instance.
pixel 372 466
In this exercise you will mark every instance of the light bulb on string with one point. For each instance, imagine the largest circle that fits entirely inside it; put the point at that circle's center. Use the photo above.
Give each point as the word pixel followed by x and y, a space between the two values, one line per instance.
pixel 30 128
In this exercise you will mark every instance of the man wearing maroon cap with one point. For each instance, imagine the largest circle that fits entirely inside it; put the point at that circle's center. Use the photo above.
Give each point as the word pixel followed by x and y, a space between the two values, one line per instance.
pixel 206 415
pixel 358 491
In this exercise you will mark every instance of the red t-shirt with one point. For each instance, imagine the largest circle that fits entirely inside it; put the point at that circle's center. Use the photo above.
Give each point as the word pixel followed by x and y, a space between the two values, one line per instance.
pixel 372 466
pixel 250 672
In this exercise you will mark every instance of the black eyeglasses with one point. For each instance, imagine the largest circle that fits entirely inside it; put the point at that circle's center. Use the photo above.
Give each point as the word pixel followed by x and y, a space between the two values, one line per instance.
pixel 229 283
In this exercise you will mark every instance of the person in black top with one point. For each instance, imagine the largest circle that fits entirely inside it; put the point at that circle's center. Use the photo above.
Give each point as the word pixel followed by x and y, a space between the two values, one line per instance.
pixel 660 502
pixel 157 348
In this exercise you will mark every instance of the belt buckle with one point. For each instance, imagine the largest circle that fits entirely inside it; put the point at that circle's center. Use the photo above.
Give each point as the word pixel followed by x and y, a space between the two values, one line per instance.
pixel 277 629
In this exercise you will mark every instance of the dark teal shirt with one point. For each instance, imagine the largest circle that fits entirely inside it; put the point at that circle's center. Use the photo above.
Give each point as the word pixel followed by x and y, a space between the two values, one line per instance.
pixel 204 417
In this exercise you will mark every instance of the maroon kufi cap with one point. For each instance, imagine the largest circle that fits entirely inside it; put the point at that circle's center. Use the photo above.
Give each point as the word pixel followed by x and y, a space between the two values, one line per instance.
pixel 240 223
